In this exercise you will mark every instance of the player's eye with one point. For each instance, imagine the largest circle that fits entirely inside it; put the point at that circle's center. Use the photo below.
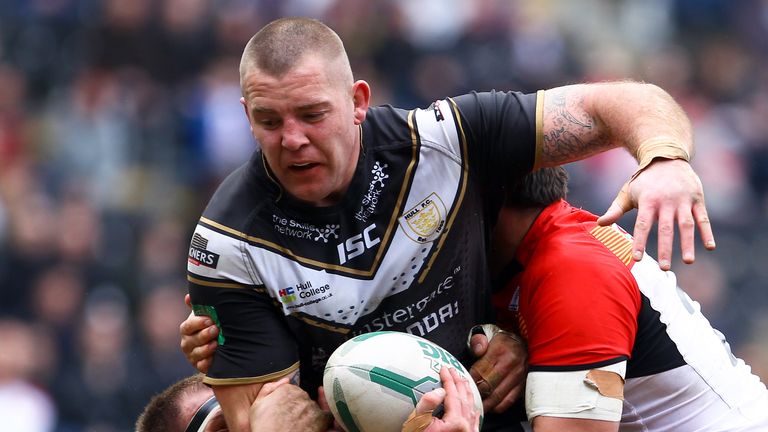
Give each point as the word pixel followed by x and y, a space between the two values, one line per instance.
pixel 269 124
pixel 314 116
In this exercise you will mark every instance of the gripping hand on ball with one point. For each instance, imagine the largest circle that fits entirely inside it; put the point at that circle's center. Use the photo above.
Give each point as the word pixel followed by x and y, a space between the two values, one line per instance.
pixel 458 400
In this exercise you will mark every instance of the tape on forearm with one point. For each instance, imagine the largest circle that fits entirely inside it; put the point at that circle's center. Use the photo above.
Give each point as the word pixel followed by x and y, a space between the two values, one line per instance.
pixel 417 422
pixel 659 147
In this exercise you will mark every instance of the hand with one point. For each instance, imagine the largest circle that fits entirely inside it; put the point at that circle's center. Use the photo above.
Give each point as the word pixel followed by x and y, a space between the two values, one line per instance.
pixel 323 402
pixel 459 402
pixel 499 371
pixel 667 190
pixel 198 339
pixel 281 406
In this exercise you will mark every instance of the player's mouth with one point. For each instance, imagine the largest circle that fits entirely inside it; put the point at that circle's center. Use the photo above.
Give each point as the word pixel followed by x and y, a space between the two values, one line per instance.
pixel 303 166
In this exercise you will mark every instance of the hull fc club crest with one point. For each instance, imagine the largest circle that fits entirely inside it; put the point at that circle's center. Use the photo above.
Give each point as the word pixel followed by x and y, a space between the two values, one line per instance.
pixel 426 220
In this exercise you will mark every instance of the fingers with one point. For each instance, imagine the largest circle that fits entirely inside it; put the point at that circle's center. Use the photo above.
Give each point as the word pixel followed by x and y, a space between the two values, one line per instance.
pixel 270 387
pixel 486 376
pixel 203 365
pixel 323 403
pixel 507 391
pixel 620 205
pixel 670 191
pixel 321 400
pixel 459 401
pixel 500 373
pixel 198 341
pixel 686 226
pixel 507 401
pixel 193 324
pixel 430 400
pixel 188 301
pixel 666 236
pixel 705 228
pixel 479 344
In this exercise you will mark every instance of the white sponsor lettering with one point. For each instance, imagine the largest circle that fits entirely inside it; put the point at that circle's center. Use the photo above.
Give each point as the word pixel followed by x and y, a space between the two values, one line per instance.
pixel 357 244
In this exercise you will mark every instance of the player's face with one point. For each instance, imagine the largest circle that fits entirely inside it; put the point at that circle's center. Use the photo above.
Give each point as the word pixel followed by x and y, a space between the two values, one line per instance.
pixel 306 122
pixel 189 405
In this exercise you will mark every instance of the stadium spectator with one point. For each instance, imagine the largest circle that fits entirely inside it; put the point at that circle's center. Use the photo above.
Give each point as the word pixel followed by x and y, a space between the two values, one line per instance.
pixel 23 404
pixel 310 223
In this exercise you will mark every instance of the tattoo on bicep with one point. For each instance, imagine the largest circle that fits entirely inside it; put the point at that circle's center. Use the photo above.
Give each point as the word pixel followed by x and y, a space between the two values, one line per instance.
pixel 569 131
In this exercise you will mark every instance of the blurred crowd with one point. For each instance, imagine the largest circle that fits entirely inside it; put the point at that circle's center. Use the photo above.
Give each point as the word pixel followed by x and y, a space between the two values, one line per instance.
pixel 119 117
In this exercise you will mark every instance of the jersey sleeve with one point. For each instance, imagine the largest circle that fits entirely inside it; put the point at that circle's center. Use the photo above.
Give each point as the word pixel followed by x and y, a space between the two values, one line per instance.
pixel 579 313
pixel 501 132
pixel 254 342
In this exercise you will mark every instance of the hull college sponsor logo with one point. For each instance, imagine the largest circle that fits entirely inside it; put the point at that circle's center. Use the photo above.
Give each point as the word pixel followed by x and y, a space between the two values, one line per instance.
pixel 303 290
pixel 199 254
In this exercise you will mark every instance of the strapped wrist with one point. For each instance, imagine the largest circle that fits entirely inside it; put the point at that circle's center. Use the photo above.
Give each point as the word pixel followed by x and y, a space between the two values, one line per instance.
pixel 659 147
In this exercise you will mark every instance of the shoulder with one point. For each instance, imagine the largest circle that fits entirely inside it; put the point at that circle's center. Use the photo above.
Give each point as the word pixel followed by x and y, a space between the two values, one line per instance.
pixel 576 252
pixel 239 194
pixel 386 123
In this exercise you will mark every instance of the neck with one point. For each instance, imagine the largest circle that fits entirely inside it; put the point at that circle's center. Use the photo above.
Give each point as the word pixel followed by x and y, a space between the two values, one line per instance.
pixel 511 228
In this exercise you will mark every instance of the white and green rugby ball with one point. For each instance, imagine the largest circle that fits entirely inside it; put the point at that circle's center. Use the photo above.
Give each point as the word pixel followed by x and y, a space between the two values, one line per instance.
pixel 373 381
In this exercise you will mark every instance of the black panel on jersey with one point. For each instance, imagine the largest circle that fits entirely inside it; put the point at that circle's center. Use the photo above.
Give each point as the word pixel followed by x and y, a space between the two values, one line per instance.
pixel 499 127
pixel 246 319
pixel 234 200
pixel 653 352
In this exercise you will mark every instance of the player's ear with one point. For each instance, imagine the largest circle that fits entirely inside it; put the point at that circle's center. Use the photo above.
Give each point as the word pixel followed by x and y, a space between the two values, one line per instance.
pixel 247 113
pixel 361 98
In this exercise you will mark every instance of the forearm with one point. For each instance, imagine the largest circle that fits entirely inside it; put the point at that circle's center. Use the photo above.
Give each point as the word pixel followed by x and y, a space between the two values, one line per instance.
pixel 579 121
pixel 555 424
pixel 235 401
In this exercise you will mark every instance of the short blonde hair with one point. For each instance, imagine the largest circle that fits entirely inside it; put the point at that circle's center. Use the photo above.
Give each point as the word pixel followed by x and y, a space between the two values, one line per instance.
pixel 279 45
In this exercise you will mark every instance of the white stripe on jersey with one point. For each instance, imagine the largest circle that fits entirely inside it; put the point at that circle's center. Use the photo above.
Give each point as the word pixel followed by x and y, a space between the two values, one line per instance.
pixel 715 391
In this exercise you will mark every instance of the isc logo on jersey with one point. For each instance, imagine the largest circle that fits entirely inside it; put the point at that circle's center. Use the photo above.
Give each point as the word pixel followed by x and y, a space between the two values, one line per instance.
pixel 426 220
pixel 357 244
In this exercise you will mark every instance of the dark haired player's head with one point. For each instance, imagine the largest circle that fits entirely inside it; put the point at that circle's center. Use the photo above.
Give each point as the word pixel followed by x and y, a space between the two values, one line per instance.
pixel 538 189
pixel 187 405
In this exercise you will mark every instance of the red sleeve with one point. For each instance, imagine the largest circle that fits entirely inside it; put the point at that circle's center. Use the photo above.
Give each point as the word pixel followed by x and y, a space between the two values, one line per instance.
pixel 578 306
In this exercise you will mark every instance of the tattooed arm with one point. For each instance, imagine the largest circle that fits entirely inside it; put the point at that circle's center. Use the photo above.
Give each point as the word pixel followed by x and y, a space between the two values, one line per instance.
pixel 582 120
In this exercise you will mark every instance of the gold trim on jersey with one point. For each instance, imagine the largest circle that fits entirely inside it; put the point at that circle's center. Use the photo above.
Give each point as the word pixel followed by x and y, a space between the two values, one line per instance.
pixel 284 250
pixel 460 199
pixel 615 241
pixel 201 282
pixel 539 129
pixel 269 174
pixel 225 284
pixel 326 326
pixel 388 233
pixel 252 380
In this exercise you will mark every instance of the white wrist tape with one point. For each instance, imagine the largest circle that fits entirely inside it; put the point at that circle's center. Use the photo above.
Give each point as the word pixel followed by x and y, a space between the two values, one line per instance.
pixel 595 394
pixel 490 331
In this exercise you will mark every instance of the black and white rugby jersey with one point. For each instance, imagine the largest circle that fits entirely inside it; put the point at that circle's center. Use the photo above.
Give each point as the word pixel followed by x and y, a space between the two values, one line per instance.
pixel 404 250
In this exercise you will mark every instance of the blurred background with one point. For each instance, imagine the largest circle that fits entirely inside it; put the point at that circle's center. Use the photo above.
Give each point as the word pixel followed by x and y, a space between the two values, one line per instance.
pixel 118 118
